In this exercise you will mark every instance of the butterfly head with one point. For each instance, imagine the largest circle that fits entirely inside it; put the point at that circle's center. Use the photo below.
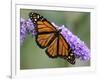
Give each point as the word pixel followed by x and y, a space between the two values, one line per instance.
pixel 59 30
pixel 34 16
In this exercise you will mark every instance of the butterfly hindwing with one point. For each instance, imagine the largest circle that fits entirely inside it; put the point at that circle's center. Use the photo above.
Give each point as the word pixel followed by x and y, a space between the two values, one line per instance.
pixel 44 39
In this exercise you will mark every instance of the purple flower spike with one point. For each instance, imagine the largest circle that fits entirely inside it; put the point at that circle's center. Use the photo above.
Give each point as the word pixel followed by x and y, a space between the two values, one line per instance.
pixel 78 47
pixel 26 27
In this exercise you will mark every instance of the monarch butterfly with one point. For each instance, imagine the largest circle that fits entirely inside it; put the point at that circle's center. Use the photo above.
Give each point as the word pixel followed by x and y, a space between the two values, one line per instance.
pixel 49 37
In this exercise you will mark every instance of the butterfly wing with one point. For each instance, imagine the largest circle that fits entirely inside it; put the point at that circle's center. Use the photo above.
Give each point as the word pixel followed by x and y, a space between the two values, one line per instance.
pixel 44 29
pixel 43 40
pixel 43 26
pixel 60 48
pixel 65 51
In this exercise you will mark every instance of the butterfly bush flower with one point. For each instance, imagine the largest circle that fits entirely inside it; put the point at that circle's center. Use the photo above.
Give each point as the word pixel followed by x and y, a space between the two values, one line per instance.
pixel 26 27
pixel 78 47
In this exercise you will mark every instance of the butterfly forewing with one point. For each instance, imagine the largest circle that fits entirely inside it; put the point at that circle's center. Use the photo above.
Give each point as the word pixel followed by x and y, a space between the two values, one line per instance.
pixel 44 27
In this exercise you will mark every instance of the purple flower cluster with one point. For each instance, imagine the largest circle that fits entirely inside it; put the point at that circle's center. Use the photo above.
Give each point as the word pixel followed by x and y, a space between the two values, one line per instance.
pixel 78 47
pixel 26 27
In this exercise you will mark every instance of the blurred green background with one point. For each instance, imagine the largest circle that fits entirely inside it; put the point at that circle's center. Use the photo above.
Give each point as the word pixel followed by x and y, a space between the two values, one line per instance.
pixel 33 57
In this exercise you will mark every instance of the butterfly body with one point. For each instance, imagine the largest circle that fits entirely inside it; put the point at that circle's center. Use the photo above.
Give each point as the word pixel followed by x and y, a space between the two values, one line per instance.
pixel 50 37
